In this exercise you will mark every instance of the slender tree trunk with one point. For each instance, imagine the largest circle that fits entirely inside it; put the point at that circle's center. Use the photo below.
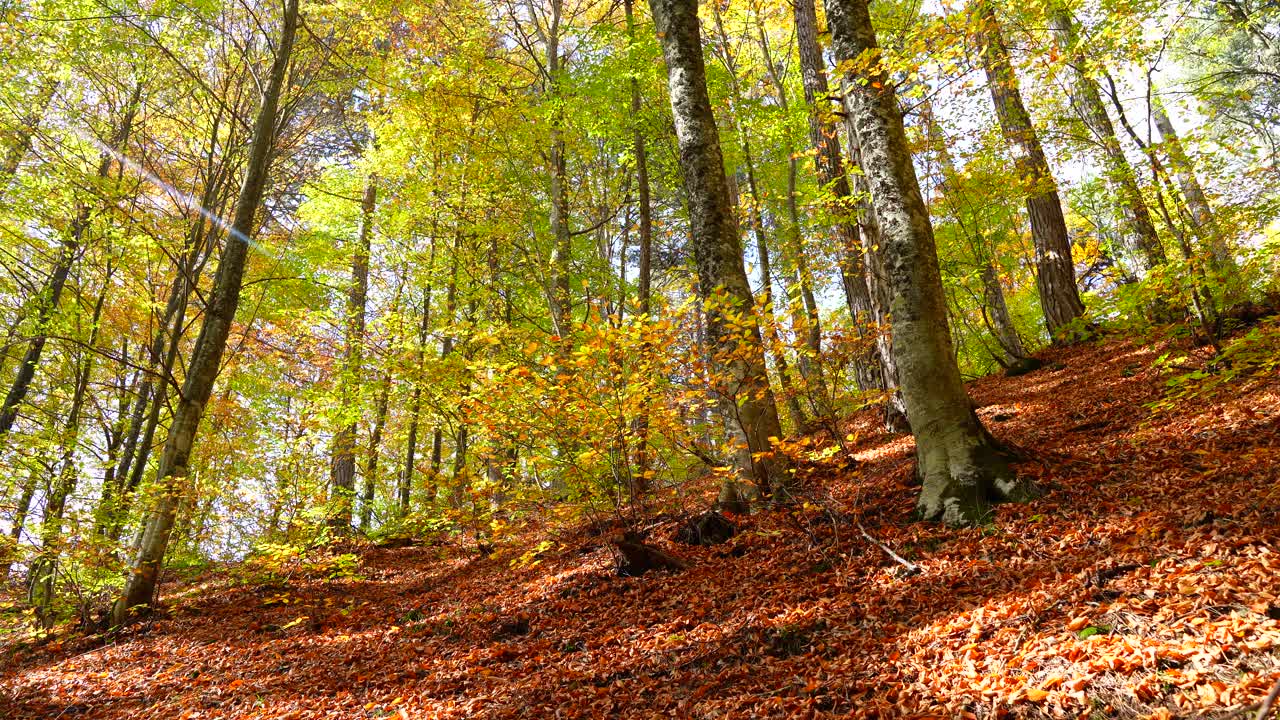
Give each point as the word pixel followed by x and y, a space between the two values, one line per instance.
pixel 1087 100
pixel 737 353
pixel 640 478
pixel 206 356
pixel 1201 298
pixel 162 354
pixel 114 434
pixel 1055 270
pixel 20 511
pixel 343 477
pixel 375 447
pixel 805 320
pixel 405 488
pixel 829 169
pixel 1201 214
pixel 996 313
pixel 562 254
pixel 52 293
pixel 995 310
pixel 755 215
pixel 43 570
pixel 643 201
pixel 959 463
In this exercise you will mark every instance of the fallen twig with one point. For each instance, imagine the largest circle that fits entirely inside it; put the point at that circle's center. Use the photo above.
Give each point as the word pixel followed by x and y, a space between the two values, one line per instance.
pixel 911 567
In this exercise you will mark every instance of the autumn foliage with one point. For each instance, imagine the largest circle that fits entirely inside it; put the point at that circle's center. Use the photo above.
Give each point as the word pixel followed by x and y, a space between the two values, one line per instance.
pixel 1143 585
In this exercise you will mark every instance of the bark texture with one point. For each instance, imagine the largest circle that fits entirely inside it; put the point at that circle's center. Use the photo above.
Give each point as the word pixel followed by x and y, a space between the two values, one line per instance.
pixel 961 467
pixel 828 166
pixel 737 353
pixel 877 276
pixel 1055 271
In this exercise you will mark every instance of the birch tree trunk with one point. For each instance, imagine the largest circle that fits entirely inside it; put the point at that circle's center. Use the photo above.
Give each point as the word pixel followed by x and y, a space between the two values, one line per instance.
pixel 960 465
pixel 206 356
pixel 1055 271
pixel 737 353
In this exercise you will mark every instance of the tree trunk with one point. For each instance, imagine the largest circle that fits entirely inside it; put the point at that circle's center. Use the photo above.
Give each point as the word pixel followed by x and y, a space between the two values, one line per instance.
pixel 877 277
pixel 405 489
pixel 755 216
pixel 52 293
pixel 996 313
pixel 961 467
pixel 20 511
pixel 1055 270
pixel 995 310
pixel 343 475
pixel 1201 214
pixel 644 278
pixel 737 353
pixel 206 356
pixel 805 319
pixel 640 477
pixel 1201 298
pixel 375 446
pixel 43 570
pixel 153 389
pixel 562 253
pixel 829 168
pixel 1087 100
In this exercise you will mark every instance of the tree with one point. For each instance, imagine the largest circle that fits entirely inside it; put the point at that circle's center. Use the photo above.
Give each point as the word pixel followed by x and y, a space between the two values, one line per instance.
pixel 1087 100
pixel 1059 298
pixel 51 294
pixel 828 166
pixel 995 311
pixel 206 356
pixel 960 465
pixel 1202 216
pixel 737 352
pixel 344 440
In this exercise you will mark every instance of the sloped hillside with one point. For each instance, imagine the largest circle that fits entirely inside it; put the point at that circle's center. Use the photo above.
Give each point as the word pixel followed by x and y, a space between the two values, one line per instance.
pixel 1144 585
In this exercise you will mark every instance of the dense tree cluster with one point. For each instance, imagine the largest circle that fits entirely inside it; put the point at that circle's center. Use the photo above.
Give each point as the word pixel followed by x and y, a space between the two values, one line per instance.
pixel 274 273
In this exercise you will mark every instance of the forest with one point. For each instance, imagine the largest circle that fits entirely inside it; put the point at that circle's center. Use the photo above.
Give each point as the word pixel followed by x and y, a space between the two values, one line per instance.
pixel 602 358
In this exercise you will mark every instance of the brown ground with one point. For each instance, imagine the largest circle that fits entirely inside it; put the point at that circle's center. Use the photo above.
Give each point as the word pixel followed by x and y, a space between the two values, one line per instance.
pixel 1159 544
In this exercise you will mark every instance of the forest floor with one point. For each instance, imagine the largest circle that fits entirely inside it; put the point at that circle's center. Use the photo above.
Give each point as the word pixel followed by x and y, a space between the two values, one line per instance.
pixel 1143 585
